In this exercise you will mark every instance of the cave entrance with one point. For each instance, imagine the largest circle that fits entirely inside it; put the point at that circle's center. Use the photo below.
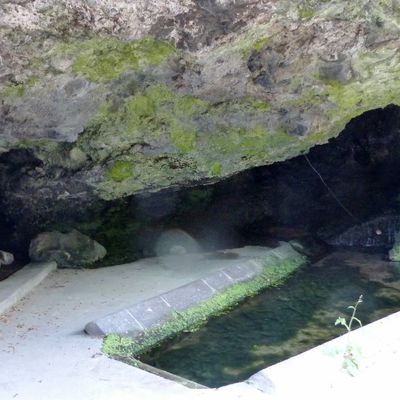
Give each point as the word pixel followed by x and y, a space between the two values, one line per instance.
pixel 314 198
pixel 350 180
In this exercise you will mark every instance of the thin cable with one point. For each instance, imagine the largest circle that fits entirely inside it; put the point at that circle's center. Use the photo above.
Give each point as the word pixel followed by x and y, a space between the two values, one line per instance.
pixel 332 193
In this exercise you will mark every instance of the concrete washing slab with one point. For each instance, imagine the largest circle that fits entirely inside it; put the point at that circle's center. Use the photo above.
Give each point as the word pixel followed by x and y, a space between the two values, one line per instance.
pixel 152 312
pixel 45 354
pixel 22 282
pixel 248 263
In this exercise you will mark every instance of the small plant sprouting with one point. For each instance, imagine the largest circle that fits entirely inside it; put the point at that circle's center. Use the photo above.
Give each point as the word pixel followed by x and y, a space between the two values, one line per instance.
pixel 352 354
pixel 343 321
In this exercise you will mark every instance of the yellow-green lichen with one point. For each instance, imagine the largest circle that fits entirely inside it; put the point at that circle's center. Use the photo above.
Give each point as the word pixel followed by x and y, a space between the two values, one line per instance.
pixel 353 99
pixel 260 43
pixel 120 171
pixel 183 139
pixel 307 99
pixel 151 114
pixel 249 45
pixel 216 169
pixel 187 137
pixel 18 89
pixel 103 59
pixel 256 143
pixel 306 13
pixel 275 272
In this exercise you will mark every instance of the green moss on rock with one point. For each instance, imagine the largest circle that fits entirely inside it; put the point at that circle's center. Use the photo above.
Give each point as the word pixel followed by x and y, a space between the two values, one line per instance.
pixel 103 59
pixel 18 89
pixel 171 137
pixel 216 169
pixel 183 139
pixel 120 171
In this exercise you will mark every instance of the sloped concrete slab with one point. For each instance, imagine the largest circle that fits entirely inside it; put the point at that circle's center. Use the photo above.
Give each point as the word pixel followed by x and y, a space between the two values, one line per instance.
pixel 218 280
pixel 244 272
pixel 122 321
pixel 136 319
pixel 18 285
pixel 189 295
pixel 151 312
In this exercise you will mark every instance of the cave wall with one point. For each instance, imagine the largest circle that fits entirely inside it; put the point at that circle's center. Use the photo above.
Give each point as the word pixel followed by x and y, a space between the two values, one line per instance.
pixel 102 101
pixel 120 98
pixel 283 201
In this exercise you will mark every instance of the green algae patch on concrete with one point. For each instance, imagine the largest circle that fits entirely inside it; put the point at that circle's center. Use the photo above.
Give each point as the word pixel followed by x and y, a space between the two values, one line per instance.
pixel 104 59
pixel 275 270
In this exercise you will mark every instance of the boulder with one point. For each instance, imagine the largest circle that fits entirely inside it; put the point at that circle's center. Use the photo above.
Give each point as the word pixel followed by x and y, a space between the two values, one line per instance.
pixel 71 249
pixel 6 258
pixel 176 242
pixel 379 232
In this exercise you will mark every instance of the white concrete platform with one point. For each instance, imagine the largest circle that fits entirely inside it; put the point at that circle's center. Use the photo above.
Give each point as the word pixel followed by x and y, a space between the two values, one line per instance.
pixel 319 373
pixel 44 354
pixel 18 285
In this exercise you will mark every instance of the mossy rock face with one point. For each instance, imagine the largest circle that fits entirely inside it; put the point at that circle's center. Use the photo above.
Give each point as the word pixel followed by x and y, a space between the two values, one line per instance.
pixel 104 59
pixel 143 104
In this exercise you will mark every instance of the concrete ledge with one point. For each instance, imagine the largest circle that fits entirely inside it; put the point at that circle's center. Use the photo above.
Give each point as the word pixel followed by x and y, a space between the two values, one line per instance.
pixel 252 262
pixel 22 282
pixel 321 373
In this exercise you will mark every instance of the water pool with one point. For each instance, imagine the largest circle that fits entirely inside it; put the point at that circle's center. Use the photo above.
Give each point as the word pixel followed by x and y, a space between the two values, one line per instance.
pixel 284 321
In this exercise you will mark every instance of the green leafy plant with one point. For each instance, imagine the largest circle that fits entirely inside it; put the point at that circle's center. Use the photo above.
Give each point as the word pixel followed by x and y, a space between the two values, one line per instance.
pixel 348 325
pixel 352 354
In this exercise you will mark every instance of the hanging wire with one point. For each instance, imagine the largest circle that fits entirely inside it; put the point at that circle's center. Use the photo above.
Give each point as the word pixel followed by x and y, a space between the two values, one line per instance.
pixel 332 193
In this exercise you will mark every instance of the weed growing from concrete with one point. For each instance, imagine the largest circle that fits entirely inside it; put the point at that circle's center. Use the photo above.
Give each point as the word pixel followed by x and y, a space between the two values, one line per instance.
pixel 352 354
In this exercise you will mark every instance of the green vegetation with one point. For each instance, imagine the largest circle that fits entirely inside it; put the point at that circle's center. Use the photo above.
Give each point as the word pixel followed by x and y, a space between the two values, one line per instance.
pixel 307 99
pixel 348 325
pixel 259 44
pixel 352 353
pixel 103 59
pixel 394 253
pixel 184 140
pixel 151 114
pixel 306 13
pixel 189 136
pixel 216 169
pixel 249 45
pixel 275 272
pixel 378 86
pixel 120 171
pixel 18 89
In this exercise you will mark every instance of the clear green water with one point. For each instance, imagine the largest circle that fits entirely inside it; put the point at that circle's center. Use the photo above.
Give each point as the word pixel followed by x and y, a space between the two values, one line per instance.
pixel 284 321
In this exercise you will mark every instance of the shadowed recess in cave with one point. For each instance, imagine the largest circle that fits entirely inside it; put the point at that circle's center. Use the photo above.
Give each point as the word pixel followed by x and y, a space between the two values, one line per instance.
pixel 283 201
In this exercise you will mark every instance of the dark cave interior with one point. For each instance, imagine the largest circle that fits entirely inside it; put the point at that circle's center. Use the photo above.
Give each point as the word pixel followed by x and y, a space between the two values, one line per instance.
pixel 284 201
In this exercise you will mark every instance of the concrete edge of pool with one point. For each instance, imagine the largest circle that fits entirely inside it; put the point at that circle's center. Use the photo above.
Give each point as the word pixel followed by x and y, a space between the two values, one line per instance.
pixel 18 285
pixel 320 371
pixel 155 312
